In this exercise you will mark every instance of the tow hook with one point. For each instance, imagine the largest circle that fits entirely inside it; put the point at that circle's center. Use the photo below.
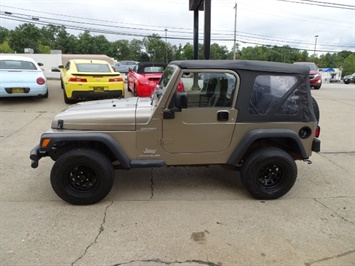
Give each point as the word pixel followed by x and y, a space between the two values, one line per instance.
pixel 307 161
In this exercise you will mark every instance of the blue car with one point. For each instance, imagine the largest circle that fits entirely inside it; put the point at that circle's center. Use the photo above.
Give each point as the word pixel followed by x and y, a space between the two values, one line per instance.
pixel 21 77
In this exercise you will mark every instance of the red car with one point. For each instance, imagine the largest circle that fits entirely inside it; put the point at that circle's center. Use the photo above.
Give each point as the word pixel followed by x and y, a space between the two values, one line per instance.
pixel 143 78
pixel 315 77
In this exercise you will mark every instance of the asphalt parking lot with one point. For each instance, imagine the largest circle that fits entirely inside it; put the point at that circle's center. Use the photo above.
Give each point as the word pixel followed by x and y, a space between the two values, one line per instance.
pixel 178 216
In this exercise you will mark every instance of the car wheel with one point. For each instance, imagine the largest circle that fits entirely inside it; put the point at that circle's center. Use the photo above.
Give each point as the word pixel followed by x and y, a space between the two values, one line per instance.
pixel 45 95
pixel 317 87
pixel 268 173
pixel 66 99
pixel 61 84
pixel 316 109
pixel 135 90
pixel 82 176
pixel 346 82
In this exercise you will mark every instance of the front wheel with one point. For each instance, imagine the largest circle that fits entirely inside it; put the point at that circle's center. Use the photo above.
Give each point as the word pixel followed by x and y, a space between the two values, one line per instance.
pixel 82 176
pixel 268 173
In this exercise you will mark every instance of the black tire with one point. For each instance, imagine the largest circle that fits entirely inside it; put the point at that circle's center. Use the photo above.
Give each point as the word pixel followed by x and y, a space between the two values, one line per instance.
pixel 82 176
pixel 61 83
pixel 66 99
pixel 45 95
pixel 268 173
pixel 316 109
pixel 135 90
pixel 317 87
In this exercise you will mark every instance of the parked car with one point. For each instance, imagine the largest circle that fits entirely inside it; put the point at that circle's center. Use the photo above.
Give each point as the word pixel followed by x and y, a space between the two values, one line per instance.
pixel 349 79
pixel 315 77
pixel 83 79
pixel 124 66
pixel 255 117
pixel 143 78
pixel 22 76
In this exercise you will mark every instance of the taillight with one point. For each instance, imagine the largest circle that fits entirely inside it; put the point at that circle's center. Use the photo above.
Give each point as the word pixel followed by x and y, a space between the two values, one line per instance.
pixel 317 132
pixel 40 81
pixel 77 79
pixel 115 80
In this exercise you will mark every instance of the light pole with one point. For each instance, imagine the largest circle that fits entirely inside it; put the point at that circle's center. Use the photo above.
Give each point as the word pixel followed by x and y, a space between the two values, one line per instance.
pixel 315 47
pixel 166 45
pixel 235 31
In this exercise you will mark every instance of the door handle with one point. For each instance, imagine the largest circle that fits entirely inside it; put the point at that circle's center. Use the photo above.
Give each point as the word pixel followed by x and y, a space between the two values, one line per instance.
pixel 223 115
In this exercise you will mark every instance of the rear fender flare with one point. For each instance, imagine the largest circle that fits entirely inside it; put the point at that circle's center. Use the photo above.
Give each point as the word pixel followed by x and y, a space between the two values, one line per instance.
pixel 258 134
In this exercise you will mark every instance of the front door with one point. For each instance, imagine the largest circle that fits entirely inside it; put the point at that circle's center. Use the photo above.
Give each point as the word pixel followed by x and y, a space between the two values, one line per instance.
pixel 207 125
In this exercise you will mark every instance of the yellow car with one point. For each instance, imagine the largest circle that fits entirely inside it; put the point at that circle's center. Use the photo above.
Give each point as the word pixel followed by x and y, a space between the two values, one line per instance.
pixel 83 79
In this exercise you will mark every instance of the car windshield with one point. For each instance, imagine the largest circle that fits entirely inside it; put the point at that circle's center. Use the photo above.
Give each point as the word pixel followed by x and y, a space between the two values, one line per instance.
pixel 93 67
pixel 17 64
pixel 163 82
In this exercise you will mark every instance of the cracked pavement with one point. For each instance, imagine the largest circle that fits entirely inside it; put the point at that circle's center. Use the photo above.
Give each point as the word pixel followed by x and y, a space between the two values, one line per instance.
pixel 179 216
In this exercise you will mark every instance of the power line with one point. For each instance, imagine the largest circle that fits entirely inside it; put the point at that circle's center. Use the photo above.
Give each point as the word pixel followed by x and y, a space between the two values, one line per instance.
pixel 319 3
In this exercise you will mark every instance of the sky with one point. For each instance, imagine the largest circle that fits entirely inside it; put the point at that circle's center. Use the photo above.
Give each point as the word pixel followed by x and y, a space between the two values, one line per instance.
pixel 325 25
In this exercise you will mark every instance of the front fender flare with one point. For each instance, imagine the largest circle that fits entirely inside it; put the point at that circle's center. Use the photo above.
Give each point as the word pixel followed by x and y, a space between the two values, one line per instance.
pixel 106 139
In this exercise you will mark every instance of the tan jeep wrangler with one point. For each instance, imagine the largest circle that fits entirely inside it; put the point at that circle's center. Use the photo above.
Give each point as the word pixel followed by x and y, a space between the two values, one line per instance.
pixel 257 117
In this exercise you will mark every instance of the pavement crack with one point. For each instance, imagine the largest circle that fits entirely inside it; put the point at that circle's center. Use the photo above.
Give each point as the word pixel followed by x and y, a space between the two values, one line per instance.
pixel 101 229
pixel 151 184
pixel 341 217
pixel 34 119
pixel 208 263
pixel 330 258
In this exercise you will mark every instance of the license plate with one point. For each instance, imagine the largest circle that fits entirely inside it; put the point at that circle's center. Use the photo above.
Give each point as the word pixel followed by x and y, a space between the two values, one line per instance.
pixel 18 90
pixel 99 89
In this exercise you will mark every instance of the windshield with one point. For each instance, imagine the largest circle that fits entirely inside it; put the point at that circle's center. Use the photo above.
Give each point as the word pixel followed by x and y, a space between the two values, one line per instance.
pixel 163 82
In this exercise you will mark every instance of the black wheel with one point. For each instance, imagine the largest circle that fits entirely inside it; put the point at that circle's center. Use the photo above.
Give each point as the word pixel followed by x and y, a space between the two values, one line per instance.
pixel 61 83
pixel 82 176
pixel 66 99
pixel 316 109
pixel 45 95
pixel 268 173
pixel 134 90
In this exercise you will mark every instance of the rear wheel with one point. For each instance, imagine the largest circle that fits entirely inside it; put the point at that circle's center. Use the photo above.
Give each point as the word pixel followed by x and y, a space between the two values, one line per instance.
pixel 268 173
pixel 66 99
pixel 82 176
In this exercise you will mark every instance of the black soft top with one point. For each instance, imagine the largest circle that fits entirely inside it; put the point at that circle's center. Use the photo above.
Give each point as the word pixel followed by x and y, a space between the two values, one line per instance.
pixel 243 65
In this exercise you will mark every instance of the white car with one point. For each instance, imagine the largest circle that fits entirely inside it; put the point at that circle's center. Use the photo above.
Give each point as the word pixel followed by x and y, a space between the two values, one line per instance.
pixel 21 76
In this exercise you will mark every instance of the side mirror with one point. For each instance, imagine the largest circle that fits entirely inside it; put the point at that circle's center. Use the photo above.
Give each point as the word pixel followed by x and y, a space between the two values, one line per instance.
pixel 54 69
pixel 40 64
pixel 181 101
pixel 178 102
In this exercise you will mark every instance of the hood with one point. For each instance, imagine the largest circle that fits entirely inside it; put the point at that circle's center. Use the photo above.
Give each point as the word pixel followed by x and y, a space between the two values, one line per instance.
pixel 106 115
pixel 313 72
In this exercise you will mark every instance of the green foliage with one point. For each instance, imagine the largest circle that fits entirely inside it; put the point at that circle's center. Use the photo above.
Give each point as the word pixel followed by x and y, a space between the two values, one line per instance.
pixel 349 64
pixel 154 48
pixel 4 33
pixel 5 48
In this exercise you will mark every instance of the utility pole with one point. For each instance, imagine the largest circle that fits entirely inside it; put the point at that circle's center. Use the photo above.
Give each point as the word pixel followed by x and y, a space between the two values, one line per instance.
pixel 315 47
pixel 166 45
pixel 235 31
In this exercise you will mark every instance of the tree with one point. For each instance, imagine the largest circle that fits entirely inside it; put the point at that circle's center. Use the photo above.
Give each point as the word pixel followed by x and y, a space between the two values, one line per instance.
pixel 155 47
pixel 5 48
pixel 4 33
pixel 25 36
pixel 120 50
pixel 348 65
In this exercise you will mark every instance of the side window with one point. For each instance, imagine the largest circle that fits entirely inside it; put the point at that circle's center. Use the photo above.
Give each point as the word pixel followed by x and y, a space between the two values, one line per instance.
pixel 209 89
pixel 67 66
pixel 269 91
